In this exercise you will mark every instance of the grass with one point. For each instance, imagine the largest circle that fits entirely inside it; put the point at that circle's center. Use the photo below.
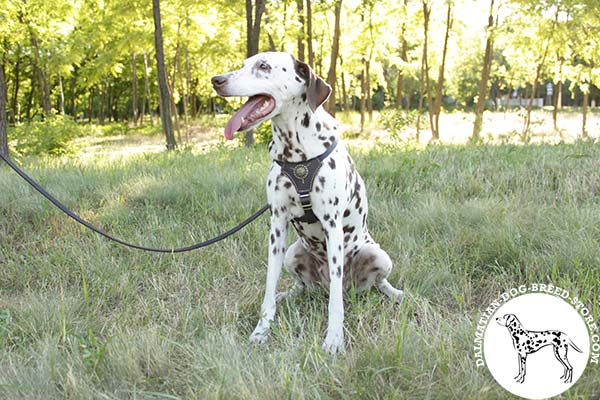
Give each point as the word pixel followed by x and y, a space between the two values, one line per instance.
pixel 81 318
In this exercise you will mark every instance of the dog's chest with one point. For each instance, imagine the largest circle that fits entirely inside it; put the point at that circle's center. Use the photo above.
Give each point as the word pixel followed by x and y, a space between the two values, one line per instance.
pixel 337 193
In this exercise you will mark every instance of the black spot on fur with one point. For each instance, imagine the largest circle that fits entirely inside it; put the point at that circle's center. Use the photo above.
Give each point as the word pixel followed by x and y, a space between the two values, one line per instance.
pixel 332 223
pixel 318 126
pixel 348 229
pixel 303 96
pixel 322 180
pixel 298 80
pixel 284 70
pixel 338 272
pixel 272 238
pixel 287 185
pixel 277 232
pixel 306 120
pixel 331 163
pixel 336 201
pixel 346 213
pixel 334 259
pixel 326 217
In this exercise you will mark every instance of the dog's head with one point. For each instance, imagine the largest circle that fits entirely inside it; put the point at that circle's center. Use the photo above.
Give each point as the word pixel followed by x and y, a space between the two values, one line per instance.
pixel 271 81
pixel 508 320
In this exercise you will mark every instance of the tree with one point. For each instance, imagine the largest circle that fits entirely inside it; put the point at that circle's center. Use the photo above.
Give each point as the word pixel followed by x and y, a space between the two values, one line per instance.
pixel 3 121
pixel 543 37
pixel 253 17
pixel 163 88
pixel 331 75
pixel 309 34
pixel 401 73
pixel 424 76
pixel 435 113
pixel 485 75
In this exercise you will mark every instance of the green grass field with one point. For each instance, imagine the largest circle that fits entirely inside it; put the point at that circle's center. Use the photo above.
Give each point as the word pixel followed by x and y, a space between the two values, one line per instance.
pixel 81 318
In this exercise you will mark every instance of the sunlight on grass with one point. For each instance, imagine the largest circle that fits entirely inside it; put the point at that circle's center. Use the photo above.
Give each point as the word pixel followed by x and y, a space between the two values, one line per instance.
pixel 83 318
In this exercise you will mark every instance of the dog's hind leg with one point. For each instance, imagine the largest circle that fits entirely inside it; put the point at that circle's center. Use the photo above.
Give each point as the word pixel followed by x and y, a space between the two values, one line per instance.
pixel 371 265
pixel 565 368
pixel 561 353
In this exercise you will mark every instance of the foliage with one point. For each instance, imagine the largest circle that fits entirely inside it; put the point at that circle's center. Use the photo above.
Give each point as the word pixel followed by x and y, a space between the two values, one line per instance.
pixel 50 136
pixel 395 120
pixel 83 52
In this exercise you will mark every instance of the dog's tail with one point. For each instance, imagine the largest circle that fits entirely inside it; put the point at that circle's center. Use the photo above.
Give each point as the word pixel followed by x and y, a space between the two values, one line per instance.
pixel 573 346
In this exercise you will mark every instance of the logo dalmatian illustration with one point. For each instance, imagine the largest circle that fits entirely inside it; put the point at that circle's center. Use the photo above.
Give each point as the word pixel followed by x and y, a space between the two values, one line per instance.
pixel 527 342
pixel 548 334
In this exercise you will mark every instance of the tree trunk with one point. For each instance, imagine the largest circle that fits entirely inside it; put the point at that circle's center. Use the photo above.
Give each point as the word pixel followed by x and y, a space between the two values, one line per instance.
pixel 331 76
pixel 42 77
pixel 309 34
pixel 73 85
pixel 91 105
pixel 437 108
pixel 300 4
pixel 253 23
pixel 3 121
pixel 61 92
pixel 29 104
pixel 424 76
pixel 253 17
pixel 400 82
pixel 368 91
pixel 188 81
pixel 163 87
pixel 344 93
pixel 172 87
pixel 102 102
pixel 426 17
pixel 14 104
pixel 485 75
pixel 538 71
pixel 584 107
pixel 134 100
pixel 363 97
pixel 146 95
pixel 556 104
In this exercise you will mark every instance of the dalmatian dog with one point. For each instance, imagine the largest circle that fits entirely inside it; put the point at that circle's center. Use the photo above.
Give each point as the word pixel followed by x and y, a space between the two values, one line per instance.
pixel 311 184
pixel 527 342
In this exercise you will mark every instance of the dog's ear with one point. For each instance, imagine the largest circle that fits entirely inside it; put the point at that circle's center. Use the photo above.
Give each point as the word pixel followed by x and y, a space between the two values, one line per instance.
pixel 317 90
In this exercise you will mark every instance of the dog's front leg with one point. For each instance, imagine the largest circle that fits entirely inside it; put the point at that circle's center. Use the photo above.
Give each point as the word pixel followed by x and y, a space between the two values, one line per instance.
pixel 334 341
pixel 276 253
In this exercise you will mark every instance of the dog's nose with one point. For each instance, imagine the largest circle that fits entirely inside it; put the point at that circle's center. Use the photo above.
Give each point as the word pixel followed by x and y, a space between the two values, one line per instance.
pixel 218 81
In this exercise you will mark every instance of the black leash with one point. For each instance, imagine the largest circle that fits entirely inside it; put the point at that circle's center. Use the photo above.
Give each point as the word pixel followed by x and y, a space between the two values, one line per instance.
pixel 77 218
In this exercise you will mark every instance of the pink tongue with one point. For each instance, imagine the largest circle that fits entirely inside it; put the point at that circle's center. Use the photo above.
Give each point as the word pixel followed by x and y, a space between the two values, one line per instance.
pixel 235 123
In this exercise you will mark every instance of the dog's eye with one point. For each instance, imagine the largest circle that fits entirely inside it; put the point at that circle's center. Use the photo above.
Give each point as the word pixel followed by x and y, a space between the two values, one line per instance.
pixel 263 66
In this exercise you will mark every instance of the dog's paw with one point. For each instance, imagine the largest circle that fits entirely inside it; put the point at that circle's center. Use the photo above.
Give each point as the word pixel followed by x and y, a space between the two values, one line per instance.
pixel 334 343
pixel 260 334
pixel 258 338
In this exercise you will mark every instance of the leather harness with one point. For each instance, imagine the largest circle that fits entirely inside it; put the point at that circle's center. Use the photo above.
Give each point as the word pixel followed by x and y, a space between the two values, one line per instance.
pixel 302 174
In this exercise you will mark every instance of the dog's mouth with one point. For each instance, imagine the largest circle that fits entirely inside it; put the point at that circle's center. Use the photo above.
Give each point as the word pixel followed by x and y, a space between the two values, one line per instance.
pixel 252 112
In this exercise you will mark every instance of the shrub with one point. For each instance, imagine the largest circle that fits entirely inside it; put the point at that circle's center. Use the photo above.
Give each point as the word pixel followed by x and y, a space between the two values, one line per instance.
pixel 50 136
pixel 394 120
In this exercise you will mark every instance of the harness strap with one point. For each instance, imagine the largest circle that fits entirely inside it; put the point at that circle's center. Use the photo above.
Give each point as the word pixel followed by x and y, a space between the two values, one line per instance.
pixel 303 174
